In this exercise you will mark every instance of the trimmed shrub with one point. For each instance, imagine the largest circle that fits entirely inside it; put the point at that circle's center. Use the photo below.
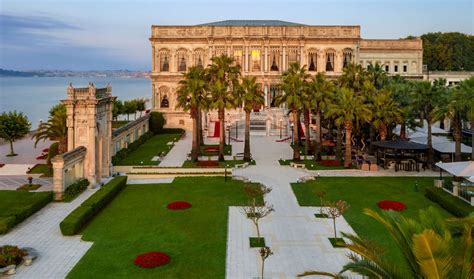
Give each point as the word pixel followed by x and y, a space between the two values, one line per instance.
pixel 156 122
pixel 6 223
pixel 449 202
pixel 75 221
pixel 53 151
pixel 75 189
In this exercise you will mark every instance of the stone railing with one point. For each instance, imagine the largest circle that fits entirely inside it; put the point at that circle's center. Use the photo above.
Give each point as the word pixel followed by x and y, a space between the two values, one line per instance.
pixel 67 169
pixel 130 132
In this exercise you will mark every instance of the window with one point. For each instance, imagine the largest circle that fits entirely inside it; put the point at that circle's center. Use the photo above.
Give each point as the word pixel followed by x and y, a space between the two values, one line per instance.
pixel 274 66
pixel 292 56
pixel 238 58
pixel 182 63
pixel 387 68
pixel 347 57
pixel 255 60
pixel 405 68
pixel 395 68
pixel 164 102
pixel 330 62
pixel 313 60
pixel 164 64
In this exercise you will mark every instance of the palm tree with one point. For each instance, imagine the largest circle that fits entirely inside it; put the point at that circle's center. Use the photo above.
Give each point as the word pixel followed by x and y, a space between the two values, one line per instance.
pixel 432 248
pixel 377 75
pixel 250 96
pixel 353 77
pixel 293 86
pixel 466 89
pixel 55 129
pixel 385 111
pixel 319 89
pixel 223 79
pixel 348 108
pixel 191 96
pixel 401 90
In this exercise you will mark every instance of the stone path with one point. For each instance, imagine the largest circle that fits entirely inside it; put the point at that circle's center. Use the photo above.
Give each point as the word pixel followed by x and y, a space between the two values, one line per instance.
pixel 58 254
pixel 298 239
pixel 14 181
pixel 178 154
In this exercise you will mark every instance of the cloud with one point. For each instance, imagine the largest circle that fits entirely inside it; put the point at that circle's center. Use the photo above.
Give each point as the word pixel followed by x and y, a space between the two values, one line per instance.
pixel 22 23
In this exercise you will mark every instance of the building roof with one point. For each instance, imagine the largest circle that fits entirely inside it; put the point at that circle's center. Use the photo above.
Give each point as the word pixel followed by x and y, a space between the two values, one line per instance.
pixel 233 22
pixel 400 144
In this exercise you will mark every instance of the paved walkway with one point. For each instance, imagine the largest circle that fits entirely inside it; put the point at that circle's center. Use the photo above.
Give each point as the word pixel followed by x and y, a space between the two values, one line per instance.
pixel 57 254
pixel 298 239
pixel 178 154
pixel 25 148
pixel 11 182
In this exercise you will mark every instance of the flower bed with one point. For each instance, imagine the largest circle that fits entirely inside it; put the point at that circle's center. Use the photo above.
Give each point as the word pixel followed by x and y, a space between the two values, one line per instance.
pixel 330 163
pixel 46 150
pixel 208 163
pixel 152 259
pixel 211 149
pixel 11 255
pixel 179 205
pixel 391 205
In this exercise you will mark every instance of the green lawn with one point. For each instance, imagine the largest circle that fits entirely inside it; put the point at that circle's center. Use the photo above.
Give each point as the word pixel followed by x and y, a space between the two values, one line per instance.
pixel 153 147
pixel 138 221
pixel 15 206
pixel 365 192
pixel 229 163
pixel 46 170
pixel 311 165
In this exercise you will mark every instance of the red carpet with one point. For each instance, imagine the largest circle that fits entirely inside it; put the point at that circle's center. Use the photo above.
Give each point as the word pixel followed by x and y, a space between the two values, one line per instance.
pixel 217 129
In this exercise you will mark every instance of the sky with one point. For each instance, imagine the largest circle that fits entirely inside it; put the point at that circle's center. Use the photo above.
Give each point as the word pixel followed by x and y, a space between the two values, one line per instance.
pixel 113 34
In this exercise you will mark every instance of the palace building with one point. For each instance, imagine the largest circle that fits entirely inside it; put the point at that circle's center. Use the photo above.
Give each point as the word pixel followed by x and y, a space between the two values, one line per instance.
pixel 265 48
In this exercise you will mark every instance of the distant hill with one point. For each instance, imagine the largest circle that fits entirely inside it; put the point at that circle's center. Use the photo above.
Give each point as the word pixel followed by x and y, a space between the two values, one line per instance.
pixel 11 73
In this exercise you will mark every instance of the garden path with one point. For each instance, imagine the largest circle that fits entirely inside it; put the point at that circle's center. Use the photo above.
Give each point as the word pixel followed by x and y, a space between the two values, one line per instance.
pixel 179 152
pixel 298 239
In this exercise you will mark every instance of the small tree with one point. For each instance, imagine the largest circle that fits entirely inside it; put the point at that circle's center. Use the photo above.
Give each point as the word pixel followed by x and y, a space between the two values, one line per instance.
pixel 255 213
pixel 141 105
pixel 321 196
pixel 265 252
pixel 13 126
pixel 336 210
pixel 117 109
pixel 254 192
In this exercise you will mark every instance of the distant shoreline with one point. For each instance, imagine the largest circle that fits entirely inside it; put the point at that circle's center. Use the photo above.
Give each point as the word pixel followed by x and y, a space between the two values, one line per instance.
pixel 68 73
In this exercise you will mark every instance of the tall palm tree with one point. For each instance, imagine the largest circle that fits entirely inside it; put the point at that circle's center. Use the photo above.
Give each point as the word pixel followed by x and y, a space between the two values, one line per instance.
pixel 377 75
pixel 401 90
pixel 250 96
pixel 385 111
pixel 466 89
pixel 293 86
pixel 191 96
pixel 432 248
pixel 55 129
pixel 319 89
pixel 347 109
pixel 223 77
pixel 353 77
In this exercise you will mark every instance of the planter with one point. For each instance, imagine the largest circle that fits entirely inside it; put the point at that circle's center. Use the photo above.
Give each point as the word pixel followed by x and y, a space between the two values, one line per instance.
pixel 27 260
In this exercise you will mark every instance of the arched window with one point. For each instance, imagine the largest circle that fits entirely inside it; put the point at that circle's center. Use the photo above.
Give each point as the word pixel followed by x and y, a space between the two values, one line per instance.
pixel 274 66
pixel 256 59
pixel 275 58
pixel 312 60
pixel 164 102
pixel 164 61
pixel 199 58
pixel 330 60
pixel 182 65
pixel 347 57
pixel 238 54
pixel 182 60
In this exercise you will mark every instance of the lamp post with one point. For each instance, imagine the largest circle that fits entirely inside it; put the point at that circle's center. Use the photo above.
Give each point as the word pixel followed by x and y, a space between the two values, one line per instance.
pixel 280 121
pixel 236 129
pixel 292 132
pixel 225 173
pixel 228 129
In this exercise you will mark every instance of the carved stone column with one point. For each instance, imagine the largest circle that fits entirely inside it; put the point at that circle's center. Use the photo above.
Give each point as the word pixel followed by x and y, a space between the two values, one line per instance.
pixel 302 56
pixel 265 92
pixel 246 58
pixel 338 61
pixel 266 59
pixel 283 66
pixel 153 60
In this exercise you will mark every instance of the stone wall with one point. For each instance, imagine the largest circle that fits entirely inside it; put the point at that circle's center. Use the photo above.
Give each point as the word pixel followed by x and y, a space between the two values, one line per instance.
pixel 123 136
pixel 67 169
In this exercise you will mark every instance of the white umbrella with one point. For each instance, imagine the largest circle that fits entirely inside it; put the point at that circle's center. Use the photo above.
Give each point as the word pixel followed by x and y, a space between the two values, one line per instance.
pixel 434 139
pixel 471 179
pixel 462 169
pixel 450 147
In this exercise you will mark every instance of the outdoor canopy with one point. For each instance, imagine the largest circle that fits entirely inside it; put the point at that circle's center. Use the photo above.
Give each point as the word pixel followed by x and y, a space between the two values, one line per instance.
pixel 461 169
pixel 400 145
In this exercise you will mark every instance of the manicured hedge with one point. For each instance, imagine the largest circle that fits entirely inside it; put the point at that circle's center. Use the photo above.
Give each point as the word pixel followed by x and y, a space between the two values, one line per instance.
pixel 122 153
pixel 156 122
pixel 75 221
pixel 449 202
pixel 75 189
pixel 16 215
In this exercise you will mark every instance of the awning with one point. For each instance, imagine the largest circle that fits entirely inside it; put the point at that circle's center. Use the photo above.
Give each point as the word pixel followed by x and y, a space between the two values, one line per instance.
pixel 400 145
pixel 461 169
pixel 450 147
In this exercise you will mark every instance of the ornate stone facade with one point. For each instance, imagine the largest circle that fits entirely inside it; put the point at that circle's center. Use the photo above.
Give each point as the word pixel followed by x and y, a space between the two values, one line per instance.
pixel 265 49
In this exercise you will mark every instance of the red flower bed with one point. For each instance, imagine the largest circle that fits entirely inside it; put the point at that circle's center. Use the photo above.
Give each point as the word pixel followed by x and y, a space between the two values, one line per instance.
pixel 208 163
pixel 152 259
pixel 211 149
pixel 179 205
pixel 45 150
pixel 330 163
pixel 391 205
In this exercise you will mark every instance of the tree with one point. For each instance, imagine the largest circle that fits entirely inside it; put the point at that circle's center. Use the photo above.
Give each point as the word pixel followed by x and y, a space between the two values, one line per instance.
pixel 353 77
pixel 320 89
pixel 55 129
pixel 385 111
pixel 117 109
pixel 253 211
pixel 293 86
pixel 401 91
pixel 192 95
pixel 377 75
pixel 56 109
pixel 321 196
pixel 223 79
pixel 334 211
pixel 466 92
pixel 141 105
pixel 13 126
pixel 264 252
pixel 346 109
pixel 129 107
pixel 432 248
pixel 250 96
